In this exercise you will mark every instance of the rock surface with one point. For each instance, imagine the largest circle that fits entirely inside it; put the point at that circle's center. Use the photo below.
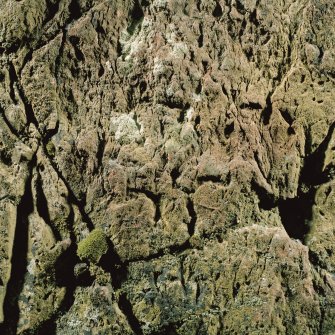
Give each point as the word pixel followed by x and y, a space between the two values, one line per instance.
pixel 197 138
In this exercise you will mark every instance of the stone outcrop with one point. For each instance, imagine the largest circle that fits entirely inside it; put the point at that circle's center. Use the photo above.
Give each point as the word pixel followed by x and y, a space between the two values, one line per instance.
pixel 194 138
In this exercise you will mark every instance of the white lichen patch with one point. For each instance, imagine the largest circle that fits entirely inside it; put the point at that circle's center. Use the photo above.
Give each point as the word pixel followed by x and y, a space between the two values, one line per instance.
pixel 196 97
pixel 172 146
pixel 31 268
pixel 187 134
pixel 159 67
pixel 189 114
pixel 180 50
pixel 125 129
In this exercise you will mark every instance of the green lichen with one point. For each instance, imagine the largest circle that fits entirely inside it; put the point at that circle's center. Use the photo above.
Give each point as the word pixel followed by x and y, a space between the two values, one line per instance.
pixel 93 246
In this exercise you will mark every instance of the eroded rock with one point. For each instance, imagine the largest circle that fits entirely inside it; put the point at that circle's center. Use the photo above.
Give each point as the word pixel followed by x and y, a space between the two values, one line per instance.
pixel 196 137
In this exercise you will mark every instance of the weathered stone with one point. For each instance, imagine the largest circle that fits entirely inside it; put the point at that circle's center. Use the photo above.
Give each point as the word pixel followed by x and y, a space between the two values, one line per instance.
pixel 167 167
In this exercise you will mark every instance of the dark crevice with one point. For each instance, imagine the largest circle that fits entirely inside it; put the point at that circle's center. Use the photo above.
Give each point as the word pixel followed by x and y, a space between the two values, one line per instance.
pixel 28 57
pixel 47 327
pixel 286 116
pixel 155 255
pixel 64 273
pixel 52 11
pixel 266 199
pixel 224 90
pixel 137 16
pixel 50 133
pixel 201 37
pixel 250 54
pixel 172 250
pixel 205 65
pixel 166 330
pixel 193 217
pixel 267 112
pixel 315 260
pixel 119 49
pixel 290 130
pixel 64 269
pixel 240 7
pixel 253 18
pixel 181 117
pixel 19 261
pixel 127 310
pixel 229 128
pixel 99 29
pixel 137 11
pixel 173 104
pixel 65 277
pixel 155 198
pixel 295 214
pixel 111 263
pixel 100 152
pixel 251 105
pixel 192 56
pixel 42 207
pixel 197 120
pixel 75 10
pixel 138 125
pixel 313 173
pixel 5 157
pixel 217 12
pixel 53 8
pixel 241 32
pixel 60 54
pixel 27 106
pixel 236 288
pixel 145 3
pixel 12 48
pixel 143 87
pixel 74 40
pixel 84 278
pixel 13 80
pixel 198 88
pixel 175 174
pixel 161 130
pixel 71 196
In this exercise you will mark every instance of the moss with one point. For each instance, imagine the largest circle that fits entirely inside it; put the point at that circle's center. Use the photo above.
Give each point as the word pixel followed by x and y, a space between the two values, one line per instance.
pixel 50 147
pixel 93 246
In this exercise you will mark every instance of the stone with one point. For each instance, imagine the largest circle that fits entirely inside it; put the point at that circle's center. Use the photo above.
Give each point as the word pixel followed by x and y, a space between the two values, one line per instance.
pixel 167 167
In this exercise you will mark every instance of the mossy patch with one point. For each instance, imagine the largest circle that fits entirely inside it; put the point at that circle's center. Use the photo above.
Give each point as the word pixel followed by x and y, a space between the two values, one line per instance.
pixel 51 150
pixel 93 246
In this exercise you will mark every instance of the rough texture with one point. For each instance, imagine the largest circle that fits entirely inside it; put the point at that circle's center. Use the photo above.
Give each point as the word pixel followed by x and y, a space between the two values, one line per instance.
pixel 197 138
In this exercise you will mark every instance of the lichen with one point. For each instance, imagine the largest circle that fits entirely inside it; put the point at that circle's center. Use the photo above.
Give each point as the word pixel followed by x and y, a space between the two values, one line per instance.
pixel 93 247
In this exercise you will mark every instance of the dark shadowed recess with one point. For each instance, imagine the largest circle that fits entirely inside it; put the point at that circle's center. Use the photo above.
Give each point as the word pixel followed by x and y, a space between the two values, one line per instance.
pixel 64 278
pixel 127 309
pixel 111 263
pixel 19 263
pixel 167 330
pixel 296 213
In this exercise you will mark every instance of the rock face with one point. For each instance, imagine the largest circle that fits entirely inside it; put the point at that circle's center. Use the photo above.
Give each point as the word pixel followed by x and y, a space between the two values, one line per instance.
pixel 195 139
